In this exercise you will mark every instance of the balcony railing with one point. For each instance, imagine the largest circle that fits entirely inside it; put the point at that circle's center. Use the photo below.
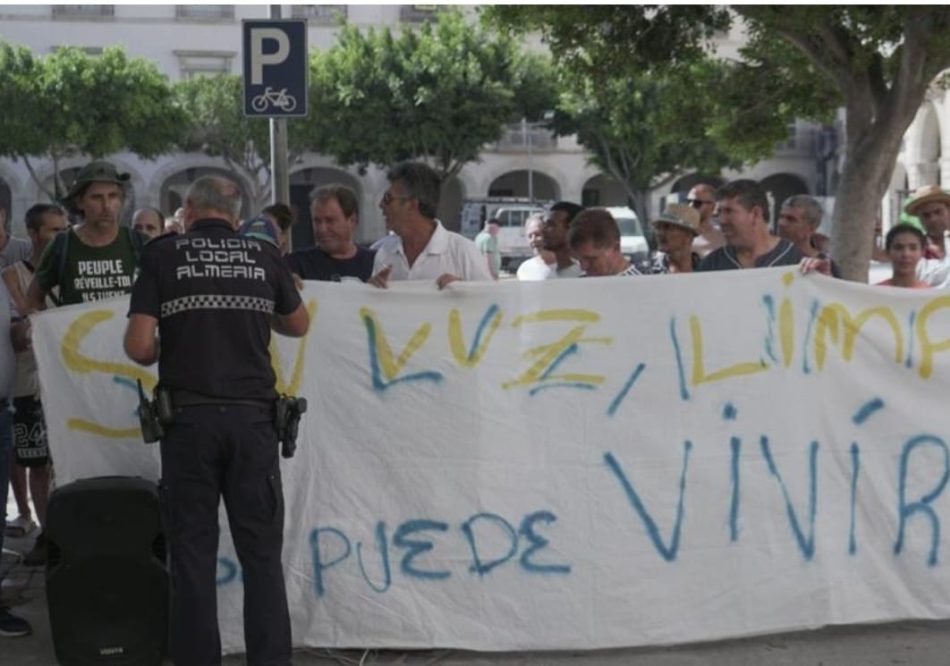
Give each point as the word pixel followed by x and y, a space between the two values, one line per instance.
pixel 417 13
pixel 320 14
pixel 204 12
pixel 83 11
pixel 518 138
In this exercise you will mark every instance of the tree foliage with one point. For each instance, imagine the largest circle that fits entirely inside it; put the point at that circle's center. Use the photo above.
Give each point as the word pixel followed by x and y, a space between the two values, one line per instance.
pixel 216 125
pixel 70 103
pixel 438 93
pixel 644 130
pixel 799 61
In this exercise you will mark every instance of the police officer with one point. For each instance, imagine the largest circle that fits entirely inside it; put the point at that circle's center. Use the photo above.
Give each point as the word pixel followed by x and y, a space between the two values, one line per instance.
pixel 213 297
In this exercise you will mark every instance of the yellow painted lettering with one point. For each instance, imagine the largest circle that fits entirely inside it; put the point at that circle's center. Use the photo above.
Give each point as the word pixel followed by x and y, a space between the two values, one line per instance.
pixel 391 366
pixel 700 376
pixel 296 376
pixel 928 347
pixel 547 355
pixel 76 333
pixel 835 322
pixel 457 343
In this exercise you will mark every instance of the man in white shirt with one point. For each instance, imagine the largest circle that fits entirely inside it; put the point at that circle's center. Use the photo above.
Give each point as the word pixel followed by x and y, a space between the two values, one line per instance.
pixel 422 248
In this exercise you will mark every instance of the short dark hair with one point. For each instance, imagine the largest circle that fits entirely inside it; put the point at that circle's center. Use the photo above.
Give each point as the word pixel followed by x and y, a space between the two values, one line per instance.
pixel 904 228
pixel 593 225
pixel 344 196
pixel 491 220
pixel 154 211
pixel 569 207
pixel 421 182
pixel 34 216
pixel 282 213
pixel 749 193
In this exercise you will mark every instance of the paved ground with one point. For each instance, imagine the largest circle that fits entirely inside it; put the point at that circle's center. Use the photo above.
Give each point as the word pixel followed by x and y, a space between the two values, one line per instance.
pixel 910 643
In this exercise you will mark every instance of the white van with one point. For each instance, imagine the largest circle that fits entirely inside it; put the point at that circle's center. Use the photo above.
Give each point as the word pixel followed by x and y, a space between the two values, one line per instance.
pixel 633 240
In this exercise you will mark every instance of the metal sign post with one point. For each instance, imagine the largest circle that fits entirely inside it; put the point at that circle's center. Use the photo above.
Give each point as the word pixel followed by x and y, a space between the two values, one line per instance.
pixel 275 85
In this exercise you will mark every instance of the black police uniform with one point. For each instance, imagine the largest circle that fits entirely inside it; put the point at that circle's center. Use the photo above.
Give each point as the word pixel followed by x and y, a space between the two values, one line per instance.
pixel 213 293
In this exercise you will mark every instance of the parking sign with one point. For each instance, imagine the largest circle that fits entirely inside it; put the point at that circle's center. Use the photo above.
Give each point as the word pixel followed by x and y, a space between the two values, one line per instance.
pixel 275 68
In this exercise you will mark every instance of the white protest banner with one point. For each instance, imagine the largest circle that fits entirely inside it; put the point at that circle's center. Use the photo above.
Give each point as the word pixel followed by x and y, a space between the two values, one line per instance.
pixel 579 464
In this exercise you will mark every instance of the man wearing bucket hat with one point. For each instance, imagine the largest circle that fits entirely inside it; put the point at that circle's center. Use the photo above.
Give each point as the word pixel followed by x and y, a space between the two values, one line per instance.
pixel 97 258
pixel 932 206
pixel 675 229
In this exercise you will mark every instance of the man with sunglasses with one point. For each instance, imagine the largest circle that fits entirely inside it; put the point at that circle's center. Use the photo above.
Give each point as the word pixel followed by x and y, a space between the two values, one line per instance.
pixel 422 248
pixel 703 198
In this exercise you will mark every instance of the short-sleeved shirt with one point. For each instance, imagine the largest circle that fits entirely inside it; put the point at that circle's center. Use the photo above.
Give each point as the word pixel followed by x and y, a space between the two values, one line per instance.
pixel 535 269
pixel 488 246
pixel 724 259
pixel 7 357
pixel 213 293
pixel 89 273
pixel 446 252
pixel 315 264
pixel 16 249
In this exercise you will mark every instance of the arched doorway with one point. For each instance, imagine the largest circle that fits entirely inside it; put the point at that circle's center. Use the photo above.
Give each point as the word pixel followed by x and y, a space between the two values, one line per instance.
pixel 302 184
pixel 515 184
pixel 603 190
pixel 450 204
pixel 6 202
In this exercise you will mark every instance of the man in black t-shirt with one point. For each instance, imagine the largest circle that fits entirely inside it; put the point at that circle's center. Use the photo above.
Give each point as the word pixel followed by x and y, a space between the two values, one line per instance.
pixel 335 214
pixel 207 300
pixel 743 218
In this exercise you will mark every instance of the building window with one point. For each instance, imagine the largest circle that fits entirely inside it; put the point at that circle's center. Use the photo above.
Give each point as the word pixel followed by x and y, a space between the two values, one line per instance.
pixel 204 12
pixel 88 50
pixel 320 14
pixel 83 11
pixel 204 63
pixel 417 13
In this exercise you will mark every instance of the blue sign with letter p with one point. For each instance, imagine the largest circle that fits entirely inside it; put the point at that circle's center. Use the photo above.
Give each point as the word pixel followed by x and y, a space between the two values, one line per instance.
pixel 275 68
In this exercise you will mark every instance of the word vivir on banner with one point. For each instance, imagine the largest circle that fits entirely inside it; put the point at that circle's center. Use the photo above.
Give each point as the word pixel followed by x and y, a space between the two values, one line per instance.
pixel 578 464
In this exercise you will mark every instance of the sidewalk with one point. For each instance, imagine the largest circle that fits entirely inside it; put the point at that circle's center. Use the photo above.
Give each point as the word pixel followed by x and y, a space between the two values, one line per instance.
pixel 910 643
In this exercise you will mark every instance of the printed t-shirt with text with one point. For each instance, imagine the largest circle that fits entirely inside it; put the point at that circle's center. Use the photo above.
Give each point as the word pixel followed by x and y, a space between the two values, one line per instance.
pixel 89 273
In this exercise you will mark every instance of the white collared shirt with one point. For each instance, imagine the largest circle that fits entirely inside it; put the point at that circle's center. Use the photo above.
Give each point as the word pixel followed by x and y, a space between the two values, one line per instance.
pixel 446 252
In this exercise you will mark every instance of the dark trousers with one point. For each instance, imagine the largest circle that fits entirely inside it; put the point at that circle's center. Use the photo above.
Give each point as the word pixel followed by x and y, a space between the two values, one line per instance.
pixel 229 451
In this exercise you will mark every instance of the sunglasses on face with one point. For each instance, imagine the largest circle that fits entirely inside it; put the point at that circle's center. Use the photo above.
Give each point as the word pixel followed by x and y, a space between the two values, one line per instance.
pixel 698 203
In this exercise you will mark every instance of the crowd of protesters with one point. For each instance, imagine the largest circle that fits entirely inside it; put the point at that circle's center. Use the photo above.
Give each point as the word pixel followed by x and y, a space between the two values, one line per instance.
pixel 80 251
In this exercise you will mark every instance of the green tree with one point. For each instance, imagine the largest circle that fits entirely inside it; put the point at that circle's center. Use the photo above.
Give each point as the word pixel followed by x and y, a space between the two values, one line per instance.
pixel 643 129
pixel 877 62
pixel 438 93
pixel 216 125
pixel 70 103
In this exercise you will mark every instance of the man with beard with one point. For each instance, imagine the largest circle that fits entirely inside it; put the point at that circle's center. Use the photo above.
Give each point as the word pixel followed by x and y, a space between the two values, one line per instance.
pixel 97 258
pixel 335 214
pixel 556 225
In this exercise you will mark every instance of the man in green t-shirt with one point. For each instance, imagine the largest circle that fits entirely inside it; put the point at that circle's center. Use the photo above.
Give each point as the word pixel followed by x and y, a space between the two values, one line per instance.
pixel 97 258
pixel 487 243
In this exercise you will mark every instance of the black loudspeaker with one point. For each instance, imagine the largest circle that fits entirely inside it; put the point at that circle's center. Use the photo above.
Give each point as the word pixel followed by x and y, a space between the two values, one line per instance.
pixel 107 573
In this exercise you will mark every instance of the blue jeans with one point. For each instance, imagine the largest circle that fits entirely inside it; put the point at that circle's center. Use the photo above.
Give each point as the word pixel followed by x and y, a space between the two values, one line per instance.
pixel 6 456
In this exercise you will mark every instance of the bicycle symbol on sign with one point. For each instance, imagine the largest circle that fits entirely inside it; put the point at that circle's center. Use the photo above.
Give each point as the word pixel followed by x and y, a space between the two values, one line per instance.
pixel 274 98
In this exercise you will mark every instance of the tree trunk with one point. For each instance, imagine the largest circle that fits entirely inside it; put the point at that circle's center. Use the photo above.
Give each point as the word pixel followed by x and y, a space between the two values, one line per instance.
pixel 864 182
